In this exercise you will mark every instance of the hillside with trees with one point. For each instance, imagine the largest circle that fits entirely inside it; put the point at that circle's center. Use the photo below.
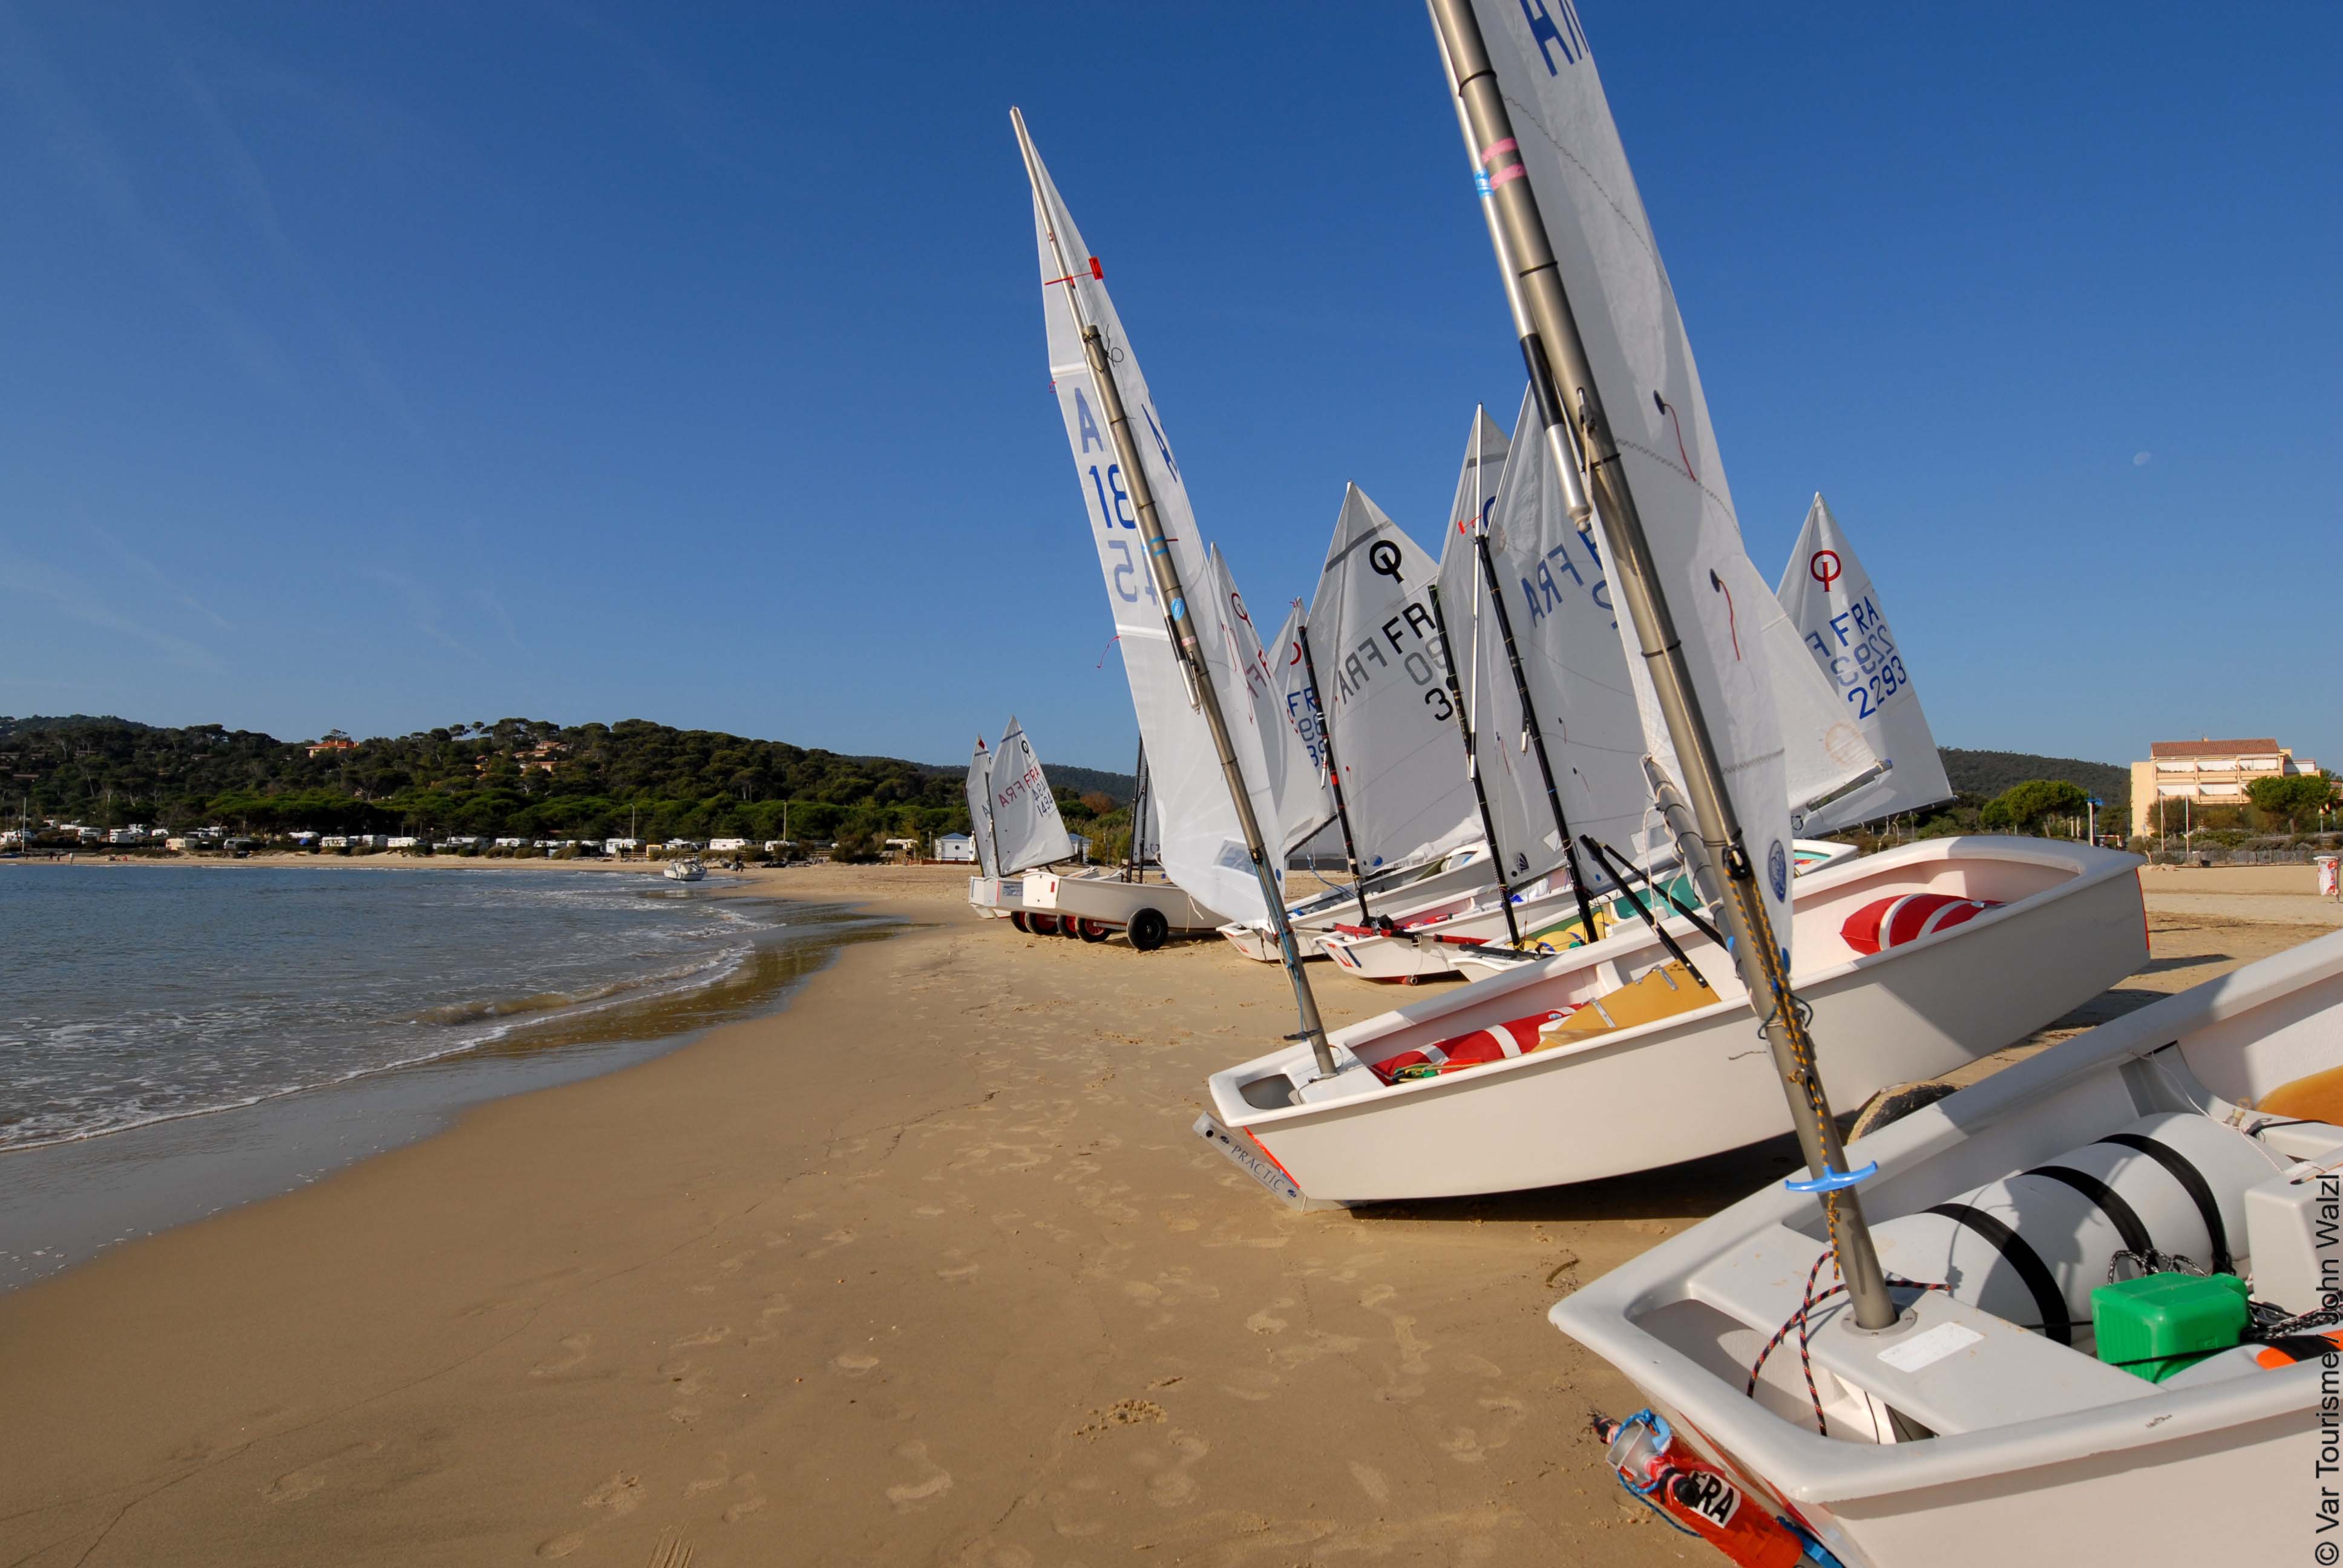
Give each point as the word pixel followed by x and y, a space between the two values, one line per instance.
pixel 516 778
pixel 1986 774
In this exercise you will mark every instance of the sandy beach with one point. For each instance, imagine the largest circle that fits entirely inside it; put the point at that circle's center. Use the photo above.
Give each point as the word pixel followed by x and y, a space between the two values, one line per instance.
pixel 923 1267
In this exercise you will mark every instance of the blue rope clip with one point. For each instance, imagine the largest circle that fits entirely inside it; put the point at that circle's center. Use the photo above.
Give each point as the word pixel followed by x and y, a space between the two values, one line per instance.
pixel 1832 1181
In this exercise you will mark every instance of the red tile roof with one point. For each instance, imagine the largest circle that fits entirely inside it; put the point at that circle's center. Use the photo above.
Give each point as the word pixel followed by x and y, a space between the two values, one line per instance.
pixel 2263 748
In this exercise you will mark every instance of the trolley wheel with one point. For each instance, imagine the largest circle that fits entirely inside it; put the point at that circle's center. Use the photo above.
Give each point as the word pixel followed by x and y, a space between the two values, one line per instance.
pixel 1148 928
pixel 1042 925
pixel 1017 918
pixel 1093 931
pixel 1070 926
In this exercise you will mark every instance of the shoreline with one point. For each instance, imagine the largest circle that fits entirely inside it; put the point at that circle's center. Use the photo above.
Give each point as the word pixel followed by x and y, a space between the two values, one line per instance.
pixel 923 1267
pixel 70 1199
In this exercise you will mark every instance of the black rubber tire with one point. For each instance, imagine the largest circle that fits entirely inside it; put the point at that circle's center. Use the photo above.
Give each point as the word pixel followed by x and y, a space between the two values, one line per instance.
pixel 1069 926
pixel 1017 918
pixel 1040 924
pixel 1094 932
pixel 1148 929
pixel 1893 1104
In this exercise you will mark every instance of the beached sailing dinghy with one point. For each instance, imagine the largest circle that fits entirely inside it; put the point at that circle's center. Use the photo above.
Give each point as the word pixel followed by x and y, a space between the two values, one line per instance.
pixel 1638 1051
pixel 1831 602
pixel 1986 1433
pixel 984 886
pixel 1368 658
pixel 1041 894
pixel 1528 614
pixel 1198 674
pixel 2207 1127
pixel 1596 1081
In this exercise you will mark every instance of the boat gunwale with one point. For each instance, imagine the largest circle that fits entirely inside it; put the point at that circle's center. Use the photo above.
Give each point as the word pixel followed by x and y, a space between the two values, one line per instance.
pixel 1865 967
pixel 1602 1314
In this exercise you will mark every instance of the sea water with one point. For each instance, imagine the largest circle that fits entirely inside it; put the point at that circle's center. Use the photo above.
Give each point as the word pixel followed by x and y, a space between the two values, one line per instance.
pixel 174 1039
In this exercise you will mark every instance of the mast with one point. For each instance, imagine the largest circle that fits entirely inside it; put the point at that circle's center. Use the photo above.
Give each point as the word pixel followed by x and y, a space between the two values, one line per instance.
pixel 1558 363
pixel 1333 769
pixel 1535 730
pixel 1134 867
pixel 1472 764
pixel 1172 594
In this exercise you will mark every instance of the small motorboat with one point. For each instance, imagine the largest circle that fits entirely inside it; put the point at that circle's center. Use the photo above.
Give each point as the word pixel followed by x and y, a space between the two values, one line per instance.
pixel 2189 1151
pixel 1624 1057
pixel 686 870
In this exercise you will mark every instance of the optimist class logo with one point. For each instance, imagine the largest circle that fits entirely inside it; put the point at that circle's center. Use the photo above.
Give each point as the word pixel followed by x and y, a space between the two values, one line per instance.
pixel 1824 568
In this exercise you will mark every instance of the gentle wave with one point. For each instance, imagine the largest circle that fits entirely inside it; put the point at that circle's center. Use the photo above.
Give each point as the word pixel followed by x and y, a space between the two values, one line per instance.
pixel 175 997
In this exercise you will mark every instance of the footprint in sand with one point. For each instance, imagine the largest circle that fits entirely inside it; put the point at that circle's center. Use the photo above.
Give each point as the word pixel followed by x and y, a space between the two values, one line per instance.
pixel 745 1482
pixel 775 1306
pixel 854 1363
pixel 1266 1321
pixel 296 1484
pixel 1372 1482
pixel 621 1494
pixel 837 1239
pixel 1414 1351
pixel 704 1337
pixel 1171 1484
pixel 1469 1447
pixel 722 1478
pixel 909 1495
pixel 577 1345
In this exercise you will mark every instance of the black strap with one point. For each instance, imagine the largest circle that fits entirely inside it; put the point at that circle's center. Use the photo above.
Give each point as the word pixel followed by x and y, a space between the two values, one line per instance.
pixel 2048 1299
pixel 2301 1347
pixel 2110 1202
pixel 2192 1181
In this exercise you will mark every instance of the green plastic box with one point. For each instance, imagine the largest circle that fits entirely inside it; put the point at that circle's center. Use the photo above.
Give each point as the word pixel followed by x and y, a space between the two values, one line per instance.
pixel 2154 1326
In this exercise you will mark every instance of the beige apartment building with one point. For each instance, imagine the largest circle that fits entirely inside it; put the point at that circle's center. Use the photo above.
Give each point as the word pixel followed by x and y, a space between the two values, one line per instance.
pixel 2205 772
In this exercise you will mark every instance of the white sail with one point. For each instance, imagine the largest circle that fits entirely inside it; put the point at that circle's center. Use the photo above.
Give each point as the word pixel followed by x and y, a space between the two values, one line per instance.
pixel 1567 633
pixel 1027 829
pixel 1823 749
pixel 1299 801
pixel 1203 848
pixel 1382 679
pixel 1527 843
pixel 1641 362
pixel 1298 699
pixel 979 808
pixel 1829 600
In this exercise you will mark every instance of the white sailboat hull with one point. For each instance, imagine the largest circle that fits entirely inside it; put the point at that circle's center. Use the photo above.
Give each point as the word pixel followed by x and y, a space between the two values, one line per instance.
pixel 2071 924
pixel 2045 1456
pixel 1110 901
pixel 1456 883
pixel 1450 946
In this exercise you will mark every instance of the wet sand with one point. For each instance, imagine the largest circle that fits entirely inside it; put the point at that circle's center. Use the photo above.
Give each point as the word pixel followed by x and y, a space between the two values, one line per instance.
pixel 925 1268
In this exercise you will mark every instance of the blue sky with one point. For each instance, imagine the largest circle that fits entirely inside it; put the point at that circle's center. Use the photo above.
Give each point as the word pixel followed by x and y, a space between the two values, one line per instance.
pixel 384 366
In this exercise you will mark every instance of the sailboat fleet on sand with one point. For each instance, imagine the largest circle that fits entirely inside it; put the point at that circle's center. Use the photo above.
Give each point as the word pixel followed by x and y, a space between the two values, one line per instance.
pixel 1586 757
